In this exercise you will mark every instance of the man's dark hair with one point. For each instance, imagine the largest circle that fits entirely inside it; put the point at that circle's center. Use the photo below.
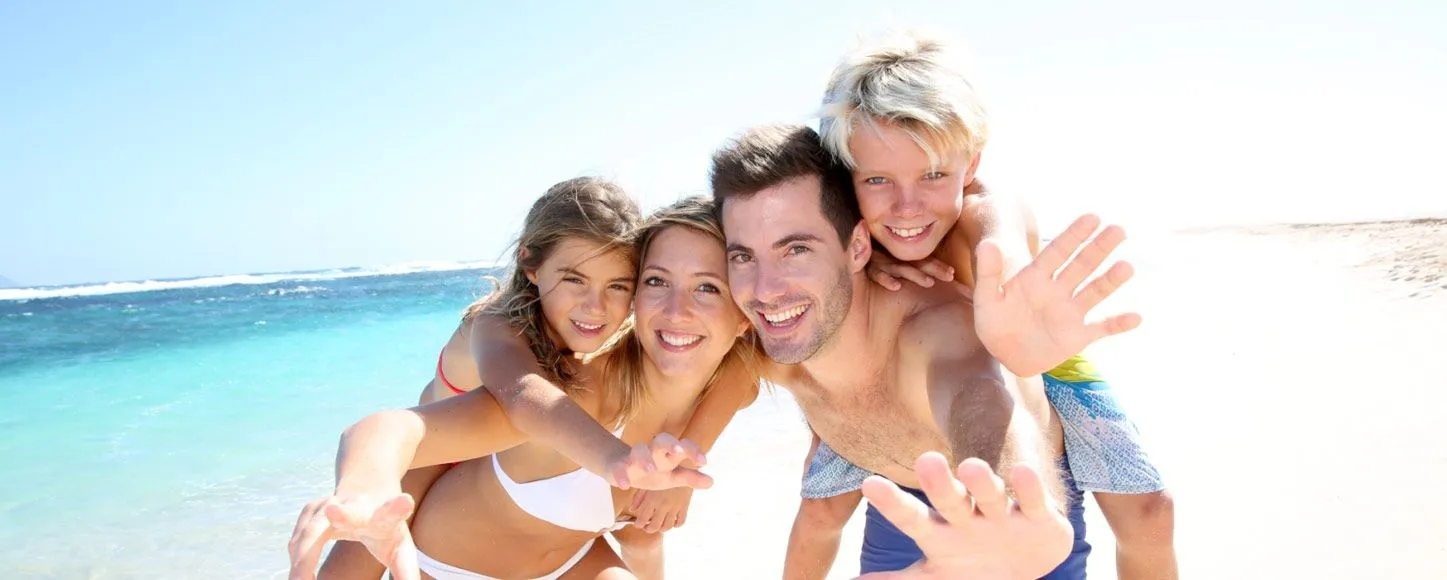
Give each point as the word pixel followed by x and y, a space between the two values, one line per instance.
pixel 764 157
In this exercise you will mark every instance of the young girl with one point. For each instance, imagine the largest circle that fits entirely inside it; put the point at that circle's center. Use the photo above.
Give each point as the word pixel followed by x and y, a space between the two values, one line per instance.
pixel 542 513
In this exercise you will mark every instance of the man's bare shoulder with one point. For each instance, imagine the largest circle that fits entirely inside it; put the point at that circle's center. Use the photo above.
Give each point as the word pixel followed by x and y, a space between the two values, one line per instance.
pixel 939 320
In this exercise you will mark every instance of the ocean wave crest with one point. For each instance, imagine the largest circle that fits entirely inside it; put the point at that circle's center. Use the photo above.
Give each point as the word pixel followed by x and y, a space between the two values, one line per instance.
pixel 234 279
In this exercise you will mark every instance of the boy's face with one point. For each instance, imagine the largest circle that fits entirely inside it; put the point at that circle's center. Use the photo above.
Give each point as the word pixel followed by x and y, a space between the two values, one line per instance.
pixel 907 204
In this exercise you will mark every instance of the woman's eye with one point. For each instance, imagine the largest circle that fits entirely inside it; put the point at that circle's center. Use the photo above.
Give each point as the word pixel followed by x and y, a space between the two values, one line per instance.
pixel 653 281
pixel 709 288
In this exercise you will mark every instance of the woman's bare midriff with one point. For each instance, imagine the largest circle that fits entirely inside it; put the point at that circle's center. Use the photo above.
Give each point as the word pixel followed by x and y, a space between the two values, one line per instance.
pixel 467 520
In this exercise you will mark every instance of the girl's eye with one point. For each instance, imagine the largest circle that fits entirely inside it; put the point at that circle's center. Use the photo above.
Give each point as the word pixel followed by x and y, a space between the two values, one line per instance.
pixel 573 279
pixel 621 287
pixel 933 175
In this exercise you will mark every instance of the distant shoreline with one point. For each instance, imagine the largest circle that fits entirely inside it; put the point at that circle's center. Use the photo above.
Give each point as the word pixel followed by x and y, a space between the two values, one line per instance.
pixel 1287 227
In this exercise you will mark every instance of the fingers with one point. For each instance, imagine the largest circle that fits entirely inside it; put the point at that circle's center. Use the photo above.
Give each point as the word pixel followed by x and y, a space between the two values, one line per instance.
pixel 987 489
pixel 1030 493
pixel 884 279
pixel 1114 325
pixel 908 272
pixel 393 513
pixel 307 541
pixel 648 518
pixel 687 477
pixel 668 452
pixel 989 270
pixel 1054 255
pixel 688 450
pixel 403 564
pixel 906 512
pixel 937 268
pixel 948 495
pixel 639 460
pixel 1092 256
pixel 680 517
pixel 1104 286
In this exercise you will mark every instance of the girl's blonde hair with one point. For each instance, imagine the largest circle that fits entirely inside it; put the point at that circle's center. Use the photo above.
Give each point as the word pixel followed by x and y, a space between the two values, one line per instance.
pixel 585 208
pixel 624 369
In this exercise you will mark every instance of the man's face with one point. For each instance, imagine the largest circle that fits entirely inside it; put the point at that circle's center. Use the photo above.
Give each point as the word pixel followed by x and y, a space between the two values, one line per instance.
pixel 787 270
pixel 908 204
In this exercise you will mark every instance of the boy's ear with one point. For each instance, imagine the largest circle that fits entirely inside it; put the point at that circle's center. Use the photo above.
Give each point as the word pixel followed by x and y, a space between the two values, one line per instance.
pixel 970 173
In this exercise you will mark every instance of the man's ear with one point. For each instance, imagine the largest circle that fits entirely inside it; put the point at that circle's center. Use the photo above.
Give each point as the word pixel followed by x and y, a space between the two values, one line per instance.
pixel 859 248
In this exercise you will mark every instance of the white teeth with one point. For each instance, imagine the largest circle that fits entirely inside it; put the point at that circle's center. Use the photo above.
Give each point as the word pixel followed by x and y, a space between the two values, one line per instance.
pixel 906 233
pixel 786 315
pixel 679 339
pixel 588 327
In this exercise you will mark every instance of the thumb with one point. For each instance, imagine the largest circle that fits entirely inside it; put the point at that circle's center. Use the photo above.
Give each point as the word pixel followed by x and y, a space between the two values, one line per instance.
pixel 692 478
pixel 403 564
pixel 989 270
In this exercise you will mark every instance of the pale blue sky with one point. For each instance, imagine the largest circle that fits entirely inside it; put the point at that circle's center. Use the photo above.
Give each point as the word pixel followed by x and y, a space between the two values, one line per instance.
pixel 167 139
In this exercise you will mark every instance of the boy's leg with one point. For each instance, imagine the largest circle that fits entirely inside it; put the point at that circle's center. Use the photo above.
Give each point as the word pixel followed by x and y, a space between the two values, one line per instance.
pixel 814 539
pixel 829 495
pixel 1106 457
pixel 1144 527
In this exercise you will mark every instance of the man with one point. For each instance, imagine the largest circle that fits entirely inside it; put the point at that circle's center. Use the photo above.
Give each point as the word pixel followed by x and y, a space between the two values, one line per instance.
pixel 902 113
pixel 885 377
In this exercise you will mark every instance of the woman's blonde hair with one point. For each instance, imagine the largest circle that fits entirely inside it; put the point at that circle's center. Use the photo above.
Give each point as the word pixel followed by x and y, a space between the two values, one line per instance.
pixel 911 80
pixel 624 369
pixel 584 208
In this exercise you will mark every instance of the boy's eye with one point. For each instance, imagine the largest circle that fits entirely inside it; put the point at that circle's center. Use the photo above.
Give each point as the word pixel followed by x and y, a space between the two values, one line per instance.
pixel 933 175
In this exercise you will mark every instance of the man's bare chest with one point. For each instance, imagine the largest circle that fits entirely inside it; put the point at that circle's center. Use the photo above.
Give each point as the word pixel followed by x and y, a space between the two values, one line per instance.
pixel 872 428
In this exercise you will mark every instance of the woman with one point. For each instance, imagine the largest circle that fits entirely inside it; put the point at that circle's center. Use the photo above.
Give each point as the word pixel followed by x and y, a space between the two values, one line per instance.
pixel 528 511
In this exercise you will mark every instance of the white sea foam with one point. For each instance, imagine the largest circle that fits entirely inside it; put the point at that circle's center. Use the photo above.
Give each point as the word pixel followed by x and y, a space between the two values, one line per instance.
pixel 232 279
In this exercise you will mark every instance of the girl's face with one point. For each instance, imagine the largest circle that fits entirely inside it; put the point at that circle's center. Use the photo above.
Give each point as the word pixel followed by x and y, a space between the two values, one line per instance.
pixel 584 292
pixel 685 318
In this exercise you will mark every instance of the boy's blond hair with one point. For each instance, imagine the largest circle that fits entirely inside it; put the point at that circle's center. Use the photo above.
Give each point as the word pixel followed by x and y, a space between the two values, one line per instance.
pixel 908 79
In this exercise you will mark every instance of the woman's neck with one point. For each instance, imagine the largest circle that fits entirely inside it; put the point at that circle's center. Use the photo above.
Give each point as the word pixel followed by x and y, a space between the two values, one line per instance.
pixel 674 395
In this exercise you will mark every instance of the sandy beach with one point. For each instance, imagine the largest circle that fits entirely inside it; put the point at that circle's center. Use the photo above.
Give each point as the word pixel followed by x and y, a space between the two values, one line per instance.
pixel 1284 383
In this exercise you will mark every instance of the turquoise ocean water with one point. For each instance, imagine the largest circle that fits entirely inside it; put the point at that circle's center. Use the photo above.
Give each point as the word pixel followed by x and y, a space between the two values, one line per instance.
pixel 174 429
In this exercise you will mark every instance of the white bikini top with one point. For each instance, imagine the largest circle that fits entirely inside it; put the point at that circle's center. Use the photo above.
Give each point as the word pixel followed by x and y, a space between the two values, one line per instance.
pixel 578 500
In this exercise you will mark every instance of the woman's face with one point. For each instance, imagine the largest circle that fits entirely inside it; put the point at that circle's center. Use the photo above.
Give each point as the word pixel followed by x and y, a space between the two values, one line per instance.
pixel 584 292
pixel 685 318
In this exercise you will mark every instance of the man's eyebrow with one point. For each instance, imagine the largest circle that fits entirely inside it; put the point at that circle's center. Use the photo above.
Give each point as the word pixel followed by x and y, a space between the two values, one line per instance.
pixel 792 238
pixel 731 248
